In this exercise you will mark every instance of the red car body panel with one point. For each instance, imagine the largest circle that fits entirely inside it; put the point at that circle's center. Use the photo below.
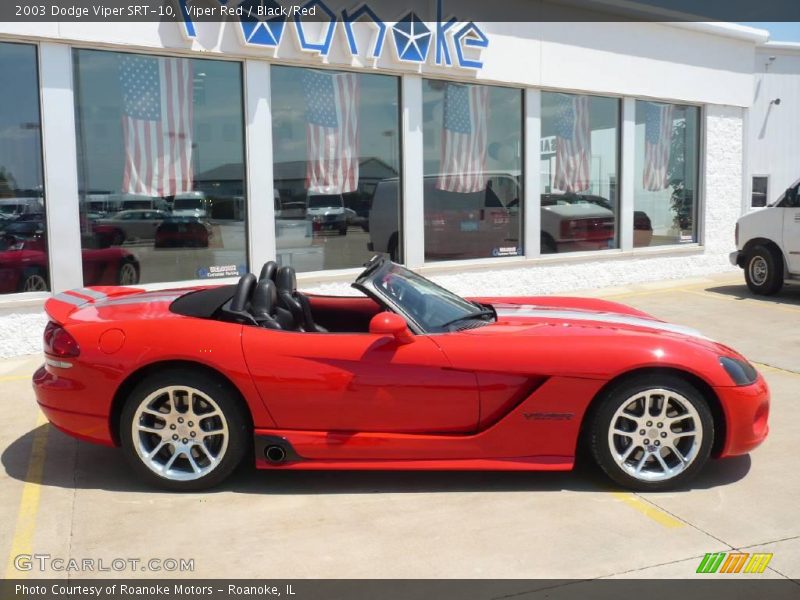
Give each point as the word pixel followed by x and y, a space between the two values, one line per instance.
pixel 511 395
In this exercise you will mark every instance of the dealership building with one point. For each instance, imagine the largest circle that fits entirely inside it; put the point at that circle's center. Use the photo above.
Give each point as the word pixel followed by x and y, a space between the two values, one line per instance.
pixel 494 157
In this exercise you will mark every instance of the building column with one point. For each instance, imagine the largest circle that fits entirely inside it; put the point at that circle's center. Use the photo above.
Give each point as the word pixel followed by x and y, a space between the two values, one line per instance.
pixel 258 151
pixel 531 185
pixel 627 176
pixel 412 214
pixel 59 149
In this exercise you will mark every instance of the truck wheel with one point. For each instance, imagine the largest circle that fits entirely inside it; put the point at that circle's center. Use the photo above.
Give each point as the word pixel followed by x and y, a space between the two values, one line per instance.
pixel 763 271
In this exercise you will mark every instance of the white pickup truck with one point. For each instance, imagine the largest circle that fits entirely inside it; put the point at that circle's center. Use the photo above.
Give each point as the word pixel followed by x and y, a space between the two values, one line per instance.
pixel 768 244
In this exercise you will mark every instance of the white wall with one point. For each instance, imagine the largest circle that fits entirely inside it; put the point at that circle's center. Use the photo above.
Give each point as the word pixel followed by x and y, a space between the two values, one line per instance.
pixel 655 60
pixel 774 131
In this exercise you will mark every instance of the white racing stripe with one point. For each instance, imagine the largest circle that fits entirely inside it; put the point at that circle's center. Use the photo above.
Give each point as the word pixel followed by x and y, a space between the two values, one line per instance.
pixel 609 318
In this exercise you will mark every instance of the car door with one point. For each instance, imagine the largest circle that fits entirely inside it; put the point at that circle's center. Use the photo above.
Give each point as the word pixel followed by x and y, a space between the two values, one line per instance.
pixel 791 234
pixel 359 382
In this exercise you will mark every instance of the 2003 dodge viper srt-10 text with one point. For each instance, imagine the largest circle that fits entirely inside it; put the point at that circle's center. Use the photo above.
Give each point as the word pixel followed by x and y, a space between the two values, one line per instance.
pixel 407 375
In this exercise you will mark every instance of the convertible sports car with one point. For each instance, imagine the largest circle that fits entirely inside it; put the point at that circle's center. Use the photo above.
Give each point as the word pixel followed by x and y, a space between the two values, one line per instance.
pixel 406 376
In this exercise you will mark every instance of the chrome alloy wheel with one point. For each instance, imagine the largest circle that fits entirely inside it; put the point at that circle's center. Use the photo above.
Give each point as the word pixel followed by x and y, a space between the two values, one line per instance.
pixel 759 270
pixel 655 435
pixel 180 433
pixel 34 283
pixel 127 274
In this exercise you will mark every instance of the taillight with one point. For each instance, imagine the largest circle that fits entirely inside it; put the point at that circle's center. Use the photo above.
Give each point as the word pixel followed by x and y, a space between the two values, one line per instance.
pixel 568 229
pixel 59 342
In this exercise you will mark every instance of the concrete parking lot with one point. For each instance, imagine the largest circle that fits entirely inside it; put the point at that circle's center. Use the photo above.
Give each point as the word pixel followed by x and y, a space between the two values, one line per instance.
pixel 73 500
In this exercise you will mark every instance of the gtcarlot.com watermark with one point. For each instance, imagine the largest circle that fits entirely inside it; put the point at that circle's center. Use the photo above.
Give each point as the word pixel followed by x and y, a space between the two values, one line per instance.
pixel 44 563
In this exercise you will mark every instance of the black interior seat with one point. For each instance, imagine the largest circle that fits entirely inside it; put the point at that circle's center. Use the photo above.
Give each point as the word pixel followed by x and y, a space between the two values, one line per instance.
pixel 269 270
pixel 264 304
pixel 295 302
pixel 238 307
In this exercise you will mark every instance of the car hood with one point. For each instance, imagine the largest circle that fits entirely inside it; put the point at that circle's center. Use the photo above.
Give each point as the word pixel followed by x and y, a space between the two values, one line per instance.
pixel 530 317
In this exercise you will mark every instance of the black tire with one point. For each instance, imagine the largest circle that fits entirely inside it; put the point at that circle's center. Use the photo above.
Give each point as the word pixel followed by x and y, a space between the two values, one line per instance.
pixel 618 395
pixel 117 238
pixel 548 245
pixel 394 255
pixel 763 271
pixel 343 230
pixel 226 398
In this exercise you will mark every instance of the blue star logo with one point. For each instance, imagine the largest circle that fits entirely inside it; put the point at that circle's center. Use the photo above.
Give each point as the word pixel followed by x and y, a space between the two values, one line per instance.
pixel 260 30
pixel 412 38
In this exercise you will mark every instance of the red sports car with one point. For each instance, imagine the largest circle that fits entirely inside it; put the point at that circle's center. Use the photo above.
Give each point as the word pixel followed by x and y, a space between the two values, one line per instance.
pixel 406 376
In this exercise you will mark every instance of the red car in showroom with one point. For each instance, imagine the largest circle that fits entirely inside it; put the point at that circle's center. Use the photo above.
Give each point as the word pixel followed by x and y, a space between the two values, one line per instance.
pixel 24 265
pixel 406 376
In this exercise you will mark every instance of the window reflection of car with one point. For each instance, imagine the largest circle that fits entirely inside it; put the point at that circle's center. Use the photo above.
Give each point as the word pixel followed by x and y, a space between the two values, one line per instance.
pixel 484 223
pixel 327 213
pixel 576 222
pixel 14 207
pixel 182 232
pixel 191 204
pixel 133 225
pixel 24 265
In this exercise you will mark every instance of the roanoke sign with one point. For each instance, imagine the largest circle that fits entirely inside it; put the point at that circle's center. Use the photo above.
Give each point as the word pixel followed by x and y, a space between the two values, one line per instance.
pixel 265 23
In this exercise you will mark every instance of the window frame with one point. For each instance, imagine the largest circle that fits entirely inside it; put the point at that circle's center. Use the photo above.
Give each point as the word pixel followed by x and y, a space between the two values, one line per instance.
pixel 753 177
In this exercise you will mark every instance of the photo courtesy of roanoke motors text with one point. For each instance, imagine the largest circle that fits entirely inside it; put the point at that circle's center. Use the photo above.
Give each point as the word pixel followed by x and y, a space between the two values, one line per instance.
pixel 326 299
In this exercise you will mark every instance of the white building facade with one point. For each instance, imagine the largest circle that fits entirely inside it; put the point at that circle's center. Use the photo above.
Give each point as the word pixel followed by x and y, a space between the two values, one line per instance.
pixel 502 158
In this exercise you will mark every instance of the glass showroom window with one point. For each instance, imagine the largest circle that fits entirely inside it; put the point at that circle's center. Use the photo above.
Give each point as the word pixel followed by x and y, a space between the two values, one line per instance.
pixel 473 170
pixel 666 168
pixel 336 139
pixel 23 244
pixel 160 167
pixel 579 150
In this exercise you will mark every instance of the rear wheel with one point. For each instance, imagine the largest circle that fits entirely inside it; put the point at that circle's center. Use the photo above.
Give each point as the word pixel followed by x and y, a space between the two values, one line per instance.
pixel 763 271
pixel 183 430
pixel 652 432
pixel 33 281
pixel 128 274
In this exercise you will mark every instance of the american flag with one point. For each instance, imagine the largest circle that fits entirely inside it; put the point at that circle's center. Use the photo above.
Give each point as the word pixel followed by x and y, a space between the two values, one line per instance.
pixel 573 144
pixel 462 162
pixel 157 125
pixel 332 102
pixel 657 143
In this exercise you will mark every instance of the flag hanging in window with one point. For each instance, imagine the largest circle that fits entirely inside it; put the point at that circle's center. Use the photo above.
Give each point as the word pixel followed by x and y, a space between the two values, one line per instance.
pixel 157 124
pixel 332 144
pixel 463 150
pixel 573 144
pixel 657 145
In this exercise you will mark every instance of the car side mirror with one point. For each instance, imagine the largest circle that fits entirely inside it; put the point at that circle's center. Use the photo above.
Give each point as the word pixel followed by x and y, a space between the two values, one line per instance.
pixel 388 323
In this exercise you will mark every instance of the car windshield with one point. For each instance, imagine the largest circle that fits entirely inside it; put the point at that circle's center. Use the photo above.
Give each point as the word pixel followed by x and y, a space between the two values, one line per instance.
pixel 187 203
pixel 432 307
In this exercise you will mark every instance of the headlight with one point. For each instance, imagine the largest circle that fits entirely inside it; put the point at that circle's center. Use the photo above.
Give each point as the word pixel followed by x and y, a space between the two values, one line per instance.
pixel 741 371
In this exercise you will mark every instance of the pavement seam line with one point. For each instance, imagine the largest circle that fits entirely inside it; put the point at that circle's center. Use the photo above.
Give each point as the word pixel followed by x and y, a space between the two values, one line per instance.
pixel 28 510
pixel 689 523
pixel 751 301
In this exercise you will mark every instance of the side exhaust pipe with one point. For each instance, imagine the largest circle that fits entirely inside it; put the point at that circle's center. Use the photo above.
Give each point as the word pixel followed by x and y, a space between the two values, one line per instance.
pixel 275 454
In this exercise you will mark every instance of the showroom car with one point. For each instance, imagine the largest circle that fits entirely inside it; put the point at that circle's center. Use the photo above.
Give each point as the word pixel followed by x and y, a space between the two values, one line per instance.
pixel 405 376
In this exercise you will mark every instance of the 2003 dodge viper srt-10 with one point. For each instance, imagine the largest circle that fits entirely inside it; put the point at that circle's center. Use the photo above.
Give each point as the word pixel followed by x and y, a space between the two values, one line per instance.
pixel 407 375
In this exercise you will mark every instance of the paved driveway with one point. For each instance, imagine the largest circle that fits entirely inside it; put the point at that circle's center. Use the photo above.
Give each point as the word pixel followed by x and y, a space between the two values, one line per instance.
pixel 73 500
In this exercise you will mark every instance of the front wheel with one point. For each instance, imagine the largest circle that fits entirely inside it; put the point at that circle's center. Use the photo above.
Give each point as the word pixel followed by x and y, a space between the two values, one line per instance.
pixel 652 432
pixel 763 271
pixel 183 430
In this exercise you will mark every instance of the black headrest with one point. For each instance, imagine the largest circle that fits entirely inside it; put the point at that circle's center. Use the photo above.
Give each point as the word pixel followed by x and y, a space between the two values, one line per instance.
pixel 264 298
pixel 269 270
pixel 286 280
pixel 242 294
